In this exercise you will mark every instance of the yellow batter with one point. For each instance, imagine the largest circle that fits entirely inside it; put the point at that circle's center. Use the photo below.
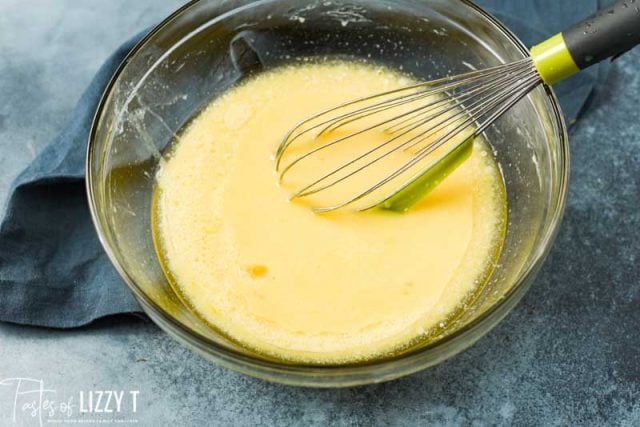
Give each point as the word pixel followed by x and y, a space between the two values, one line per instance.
pixel 283 281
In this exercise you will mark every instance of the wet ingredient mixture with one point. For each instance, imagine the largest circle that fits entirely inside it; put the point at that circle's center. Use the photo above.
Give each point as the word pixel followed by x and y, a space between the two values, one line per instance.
pixel 332 288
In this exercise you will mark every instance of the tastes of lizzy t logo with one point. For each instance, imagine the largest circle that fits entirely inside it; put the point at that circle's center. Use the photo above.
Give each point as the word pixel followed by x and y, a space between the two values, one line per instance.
pixel 26 401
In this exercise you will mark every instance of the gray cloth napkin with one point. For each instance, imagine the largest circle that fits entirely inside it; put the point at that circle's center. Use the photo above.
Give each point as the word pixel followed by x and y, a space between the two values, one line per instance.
pixel 53 271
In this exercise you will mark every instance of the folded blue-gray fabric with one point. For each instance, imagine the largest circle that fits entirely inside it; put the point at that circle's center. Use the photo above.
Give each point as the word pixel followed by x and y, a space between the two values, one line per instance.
pixel 53 271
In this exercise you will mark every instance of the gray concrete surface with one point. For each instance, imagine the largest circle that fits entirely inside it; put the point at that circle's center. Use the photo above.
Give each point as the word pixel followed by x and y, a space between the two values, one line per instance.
pixel 569 354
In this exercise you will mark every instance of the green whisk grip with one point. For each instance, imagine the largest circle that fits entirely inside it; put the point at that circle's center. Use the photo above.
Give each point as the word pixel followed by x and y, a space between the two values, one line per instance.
pixel 608 33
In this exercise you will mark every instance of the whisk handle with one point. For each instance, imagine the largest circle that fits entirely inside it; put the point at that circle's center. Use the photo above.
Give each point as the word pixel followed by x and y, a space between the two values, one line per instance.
pixel 608 33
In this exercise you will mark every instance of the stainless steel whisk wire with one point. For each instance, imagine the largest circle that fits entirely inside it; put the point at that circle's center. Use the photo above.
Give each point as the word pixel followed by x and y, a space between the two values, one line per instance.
pixel 481 97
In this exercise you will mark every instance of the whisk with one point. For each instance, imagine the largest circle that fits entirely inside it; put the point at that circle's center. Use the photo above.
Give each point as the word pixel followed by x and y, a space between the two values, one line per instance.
pixel 424 131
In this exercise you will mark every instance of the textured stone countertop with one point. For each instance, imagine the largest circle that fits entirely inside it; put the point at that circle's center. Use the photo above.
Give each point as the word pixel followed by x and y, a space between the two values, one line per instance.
pixel 569 354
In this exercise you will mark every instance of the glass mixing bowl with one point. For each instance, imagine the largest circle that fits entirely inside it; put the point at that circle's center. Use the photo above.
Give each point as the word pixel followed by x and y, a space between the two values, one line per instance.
pixel 207 46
